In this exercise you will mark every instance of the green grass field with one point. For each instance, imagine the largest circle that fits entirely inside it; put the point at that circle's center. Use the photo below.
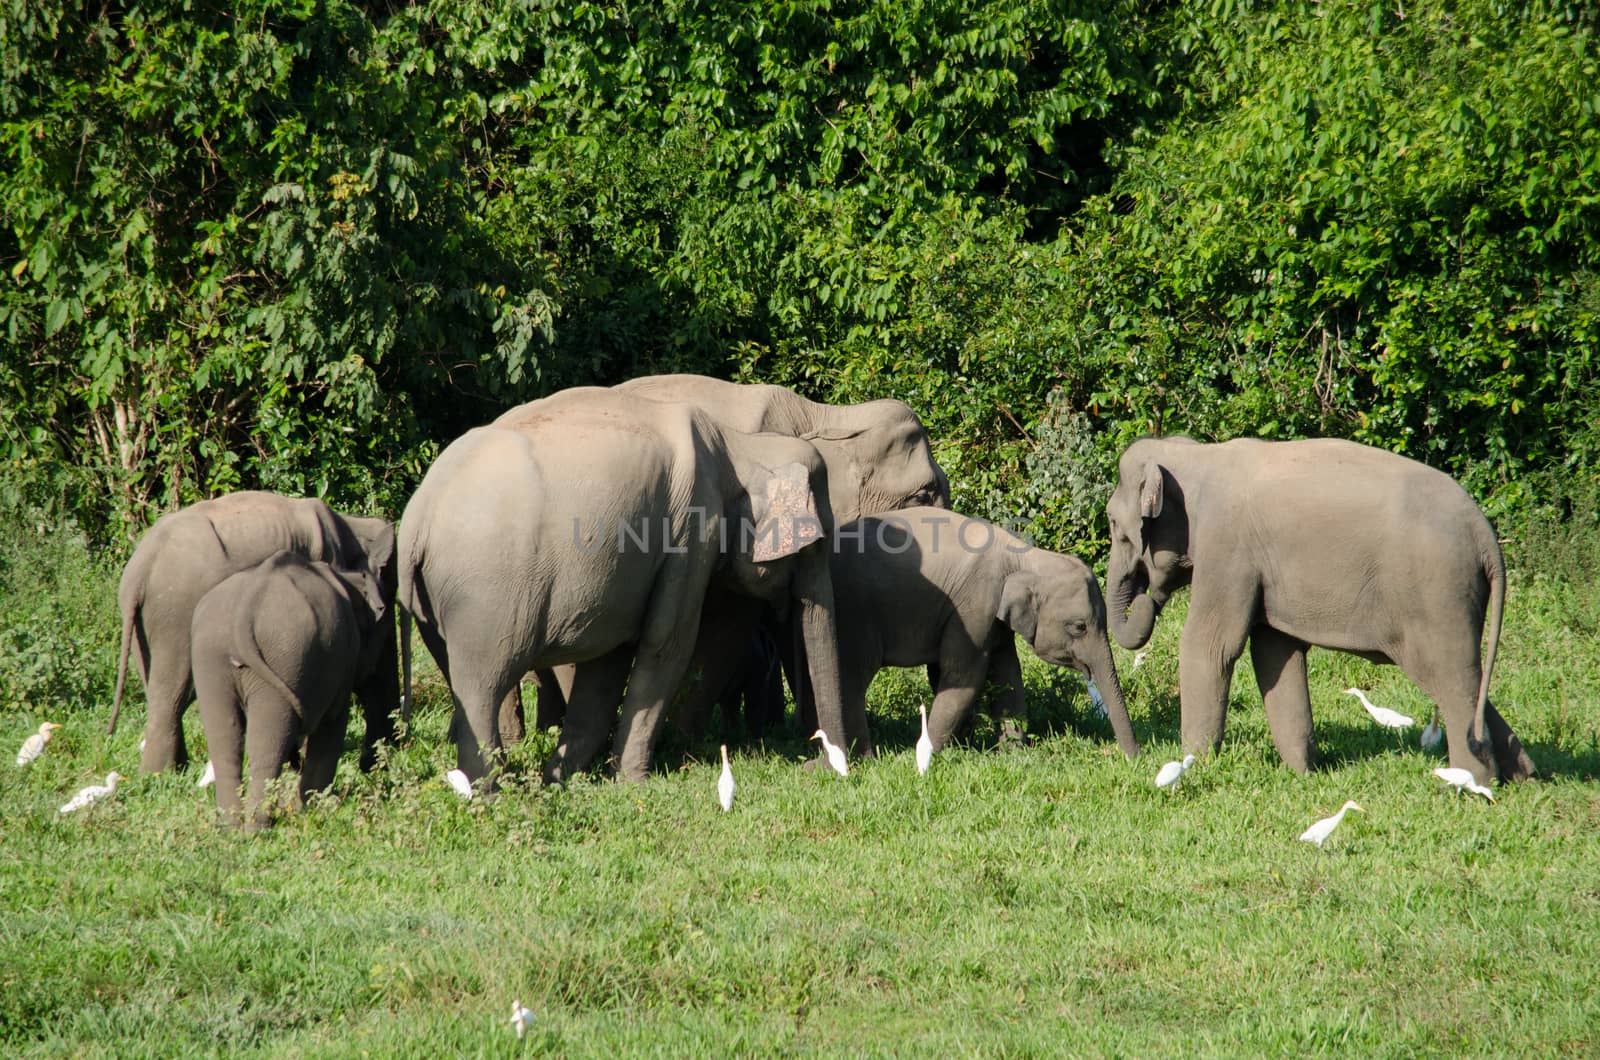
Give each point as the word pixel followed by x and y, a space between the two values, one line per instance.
pixel 1043 901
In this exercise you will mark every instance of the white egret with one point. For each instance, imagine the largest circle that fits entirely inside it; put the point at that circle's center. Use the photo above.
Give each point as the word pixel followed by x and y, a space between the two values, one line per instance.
pixel 1096 700
pixel 834 753
pixel 209 777
pixel 1172 772
pixel 33 746
pixel 458 780
pixel 521 1018
pixel 924 742
pixel 1319 832
pixel 1389 719
pixel 725 783
pixel 1432 736
pixel 1462 780
pixel 92 793
pixel 1139 657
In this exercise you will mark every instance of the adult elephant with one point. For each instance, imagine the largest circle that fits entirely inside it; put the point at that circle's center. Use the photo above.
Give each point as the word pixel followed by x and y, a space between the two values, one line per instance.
pixel 878 457
pixel 189 552
pixel 925 585
pixel 586 528
pixel 1320 542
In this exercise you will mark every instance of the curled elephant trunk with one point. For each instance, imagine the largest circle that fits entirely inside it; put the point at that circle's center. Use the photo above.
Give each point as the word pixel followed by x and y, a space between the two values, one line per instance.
pixel 1104 672
pixel 1130 614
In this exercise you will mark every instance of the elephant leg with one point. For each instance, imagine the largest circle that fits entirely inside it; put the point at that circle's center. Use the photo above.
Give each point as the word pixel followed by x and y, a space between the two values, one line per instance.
pixel 479 685
pixel 592 696
pixel 1213 639
pixel 1280 665
pixel 769 713
pixel 271 733
pixel 1450 679
pixel 1009 704
pixel 961 678
pixel 222 717
pixel 658 666
pixel 1509 755
pixel 166 692
pixel 512 723
pixel 555 687
pixel 792 658
pixel 323 745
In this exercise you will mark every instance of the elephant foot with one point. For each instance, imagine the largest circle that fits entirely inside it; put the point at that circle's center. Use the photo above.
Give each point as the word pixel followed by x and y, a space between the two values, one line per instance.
pixel 1011 734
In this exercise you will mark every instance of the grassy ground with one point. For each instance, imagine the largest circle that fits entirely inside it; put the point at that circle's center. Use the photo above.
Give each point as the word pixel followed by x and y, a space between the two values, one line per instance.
pixel 1042 901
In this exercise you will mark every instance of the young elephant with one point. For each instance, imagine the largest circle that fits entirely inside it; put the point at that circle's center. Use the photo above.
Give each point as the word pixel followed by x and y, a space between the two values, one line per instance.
pixel 278 649
pixel 925 585
pixel 1318 542
pixel 188 553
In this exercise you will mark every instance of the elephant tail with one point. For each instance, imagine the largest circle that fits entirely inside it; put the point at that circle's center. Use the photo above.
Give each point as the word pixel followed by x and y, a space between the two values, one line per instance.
pixel 130 600
pixel 249 649
pixel 1494 565
pixel 130 616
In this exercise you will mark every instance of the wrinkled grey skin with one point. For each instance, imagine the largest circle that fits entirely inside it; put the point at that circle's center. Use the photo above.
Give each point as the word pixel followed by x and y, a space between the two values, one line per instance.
pixel 879 458
pixel 189 552
pixel 925 585
pixel 510 561
pixel 278 649
pixel 1321 542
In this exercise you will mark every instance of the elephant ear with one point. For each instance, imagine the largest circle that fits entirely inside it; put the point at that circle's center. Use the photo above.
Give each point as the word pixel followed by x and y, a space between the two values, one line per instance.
pixel 1019 605
pixel 1151 489
pixel 784 511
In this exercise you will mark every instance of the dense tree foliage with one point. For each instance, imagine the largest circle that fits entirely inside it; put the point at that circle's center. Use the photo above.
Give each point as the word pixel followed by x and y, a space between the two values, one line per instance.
pixel 302 244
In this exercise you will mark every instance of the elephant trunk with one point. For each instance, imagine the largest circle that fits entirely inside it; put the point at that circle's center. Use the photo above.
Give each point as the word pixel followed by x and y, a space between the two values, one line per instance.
pixel 814 593
pixel 1130 612
pixel 1104 672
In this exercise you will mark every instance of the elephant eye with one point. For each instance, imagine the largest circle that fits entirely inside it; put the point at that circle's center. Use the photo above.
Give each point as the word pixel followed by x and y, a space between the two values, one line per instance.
pixel 1077 628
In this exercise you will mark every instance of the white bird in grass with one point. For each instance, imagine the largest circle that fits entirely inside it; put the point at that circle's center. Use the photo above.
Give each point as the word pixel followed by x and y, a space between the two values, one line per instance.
pixel 1318 833
pixel 91 794
pixel 1172 772
pixel 1139 657
pixel 1096 700
pixel 725 783
pixel 521 1018
pixel 1389 719
pixel 924 742
pixel 1462 780
pixel 33 746
pixel 1432 736
pixel 209 777
pixel 835 754
pixel 458 780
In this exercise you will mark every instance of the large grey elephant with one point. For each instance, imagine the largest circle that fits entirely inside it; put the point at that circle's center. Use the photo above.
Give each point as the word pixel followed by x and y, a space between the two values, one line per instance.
pixel 586 528
pixel 878 457
pixel 925 585
pixel 278 650
pixel 1320 542
pixel 191 551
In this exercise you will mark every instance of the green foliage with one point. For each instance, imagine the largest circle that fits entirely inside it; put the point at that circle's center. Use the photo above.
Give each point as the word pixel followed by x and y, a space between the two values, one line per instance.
pixel 1368 225
pixel 241 232
pixel 301 246
pixel 58 613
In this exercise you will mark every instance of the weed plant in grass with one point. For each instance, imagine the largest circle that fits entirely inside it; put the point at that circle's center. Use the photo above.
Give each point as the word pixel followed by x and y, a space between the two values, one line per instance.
pixel 1046 900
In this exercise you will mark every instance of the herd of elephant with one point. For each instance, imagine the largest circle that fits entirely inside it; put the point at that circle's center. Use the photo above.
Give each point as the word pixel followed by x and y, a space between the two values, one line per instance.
pixel 620 542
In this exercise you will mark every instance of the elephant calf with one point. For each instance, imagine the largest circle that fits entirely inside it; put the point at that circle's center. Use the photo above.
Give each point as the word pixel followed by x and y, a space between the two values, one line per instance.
pixel 278 650
pixel 925 585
